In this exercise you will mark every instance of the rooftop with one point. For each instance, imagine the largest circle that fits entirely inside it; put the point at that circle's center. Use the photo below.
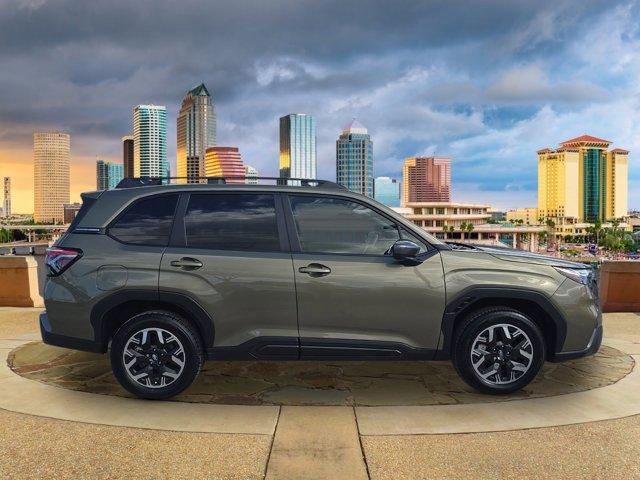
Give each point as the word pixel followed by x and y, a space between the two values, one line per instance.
pixel 200 90
pixel 586 139
pixel 354 126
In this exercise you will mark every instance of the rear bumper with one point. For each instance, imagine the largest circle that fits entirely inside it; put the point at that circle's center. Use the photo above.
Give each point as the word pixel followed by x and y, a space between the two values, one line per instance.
pixel 591 348
pixel 64 341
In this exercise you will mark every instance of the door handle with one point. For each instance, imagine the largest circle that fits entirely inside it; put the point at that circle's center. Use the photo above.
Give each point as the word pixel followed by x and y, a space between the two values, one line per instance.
pixel 187 263
pixel 315 270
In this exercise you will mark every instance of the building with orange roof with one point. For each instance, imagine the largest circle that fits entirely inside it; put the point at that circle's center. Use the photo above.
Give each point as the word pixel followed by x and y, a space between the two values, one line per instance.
pixel 581 181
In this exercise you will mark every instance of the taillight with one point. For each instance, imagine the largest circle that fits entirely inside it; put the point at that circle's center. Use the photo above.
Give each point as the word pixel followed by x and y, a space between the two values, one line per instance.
pixel 59 259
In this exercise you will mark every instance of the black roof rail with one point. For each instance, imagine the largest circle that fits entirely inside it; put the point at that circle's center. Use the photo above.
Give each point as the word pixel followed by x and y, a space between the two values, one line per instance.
pixel 152 181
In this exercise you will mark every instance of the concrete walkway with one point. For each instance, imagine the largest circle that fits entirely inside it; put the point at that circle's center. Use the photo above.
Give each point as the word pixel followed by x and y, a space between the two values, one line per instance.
pixel 320 442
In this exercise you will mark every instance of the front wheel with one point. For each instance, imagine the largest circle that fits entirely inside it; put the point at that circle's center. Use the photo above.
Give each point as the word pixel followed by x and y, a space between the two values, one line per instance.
pixel 156 355
pixel 498 350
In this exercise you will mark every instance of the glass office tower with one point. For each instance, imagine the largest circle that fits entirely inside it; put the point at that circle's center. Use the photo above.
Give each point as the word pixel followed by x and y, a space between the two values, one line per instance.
pixel 354 159
pixel 387 191
pixel 196 131
pixel 150 141
pixel 298 146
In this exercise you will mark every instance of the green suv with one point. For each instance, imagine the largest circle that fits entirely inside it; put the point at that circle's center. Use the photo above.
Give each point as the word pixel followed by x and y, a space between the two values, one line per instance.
pixel 165 277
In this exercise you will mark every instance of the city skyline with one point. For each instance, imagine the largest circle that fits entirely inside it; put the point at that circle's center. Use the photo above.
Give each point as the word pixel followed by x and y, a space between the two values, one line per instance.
pixel 418 95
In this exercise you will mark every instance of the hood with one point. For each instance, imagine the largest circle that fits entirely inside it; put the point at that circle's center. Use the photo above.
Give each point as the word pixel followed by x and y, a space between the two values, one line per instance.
pixel 513 255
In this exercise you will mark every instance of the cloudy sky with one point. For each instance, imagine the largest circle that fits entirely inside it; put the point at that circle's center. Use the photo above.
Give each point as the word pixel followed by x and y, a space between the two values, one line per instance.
pixel 484 82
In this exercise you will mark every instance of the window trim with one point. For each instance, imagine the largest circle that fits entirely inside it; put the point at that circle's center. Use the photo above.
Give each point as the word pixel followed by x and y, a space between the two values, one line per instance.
pixel 130 205
pixel 179 233
pixel 296 247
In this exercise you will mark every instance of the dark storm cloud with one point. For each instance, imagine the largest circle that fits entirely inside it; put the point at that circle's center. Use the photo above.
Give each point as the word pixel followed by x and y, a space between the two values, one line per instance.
pixel 420 74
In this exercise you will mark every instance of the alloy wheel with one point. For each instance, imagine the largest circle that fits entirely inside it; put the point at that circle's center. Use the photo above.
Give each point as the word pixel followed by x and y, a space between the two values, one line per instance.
pixel 501 354
pixel 153 357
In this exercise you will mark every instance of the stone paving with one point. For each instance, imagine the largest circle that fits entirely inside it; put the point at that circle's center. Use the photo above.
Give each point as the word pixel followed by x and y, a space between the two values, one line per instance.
pixel 316 383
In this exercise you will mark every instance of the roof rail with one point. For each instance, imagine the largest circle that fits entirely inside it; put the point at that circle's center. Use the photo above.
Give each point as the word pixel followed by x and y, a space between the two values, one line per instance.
pixel 291 182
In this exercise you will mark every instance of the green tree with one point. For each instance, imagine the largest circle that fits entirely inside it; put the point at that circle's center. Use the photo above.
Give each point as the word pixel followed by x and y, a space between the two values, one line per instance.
pixel 463 228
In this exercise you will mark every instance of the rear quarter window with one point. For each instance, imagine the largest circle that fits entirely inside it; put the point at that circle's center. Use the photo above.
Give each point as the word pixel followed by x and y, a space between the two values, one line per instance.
pixel 146 222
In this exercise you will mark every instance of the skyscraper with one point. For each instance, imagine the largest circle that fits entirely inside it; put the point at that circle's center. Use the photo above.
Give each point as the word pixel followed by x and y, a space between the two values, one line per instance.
pixel 196 131
pixel 387 191
pixel 7 197
pixel 583 181
pixel 426 179
pixel 354 159
pixel 297 146
pixel 251 175
pixel 108 175
pixel 127 155
pixel 51 158
pixel 224 162
pixel 150 141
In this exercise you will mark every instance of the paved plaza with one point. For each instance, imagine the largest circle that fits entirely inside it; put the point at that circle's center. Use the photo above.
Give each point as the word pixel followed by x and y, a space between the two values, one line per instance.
pixel 63 415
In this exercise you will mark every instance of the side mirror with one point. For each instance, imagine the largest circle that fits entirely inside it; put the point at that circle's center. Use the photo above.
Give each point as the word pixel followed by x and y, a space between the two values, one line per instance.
pixel 405 251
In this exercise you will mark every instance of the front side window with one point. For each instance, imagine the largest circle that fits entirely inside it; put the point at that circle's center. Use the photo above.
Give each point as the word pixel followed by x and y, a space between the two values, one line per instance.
pixel 335 225
pixel 146 222
pixel 232 222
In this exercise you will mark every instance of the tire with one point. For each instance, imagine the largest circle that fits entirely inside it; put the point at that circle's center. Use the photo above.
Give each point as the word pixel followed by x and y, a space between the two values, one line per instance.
pixel 482 346
pixel 156 355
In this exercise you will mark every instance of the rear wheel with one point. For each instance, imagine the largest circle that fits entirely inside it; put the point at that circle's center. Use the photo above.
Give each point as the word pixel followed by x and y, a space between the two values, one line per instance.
pixel 156 355
pixel 498 350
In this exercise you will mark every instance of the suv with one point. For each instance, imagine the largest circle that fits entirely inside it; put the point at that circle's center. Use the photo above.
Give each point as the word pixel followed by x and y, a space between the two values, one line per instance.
pixel 165 277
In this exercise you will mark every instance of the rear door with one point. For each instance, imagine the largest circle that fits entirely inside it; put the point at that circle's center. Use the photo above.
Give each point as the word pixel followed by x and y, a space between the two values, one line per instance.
pixel 354 299
pixel 229 252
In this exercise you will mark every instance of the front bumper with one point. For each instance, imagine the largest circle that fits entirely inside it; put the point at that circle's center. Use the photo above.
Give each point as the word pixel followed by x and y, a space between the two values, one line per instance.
pixel 592 347
pixel 64 341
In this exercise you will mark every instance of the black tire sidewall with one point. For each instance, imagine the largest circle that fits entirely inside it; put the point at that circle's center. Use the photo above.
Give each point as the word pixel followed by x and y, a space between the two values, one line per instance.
pixel 193 355
pixel 465 338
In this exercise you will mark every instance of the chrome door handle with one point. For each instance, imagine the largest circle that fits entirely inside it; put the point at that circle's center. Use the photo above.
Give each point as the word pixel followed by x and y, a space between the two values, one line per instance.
pixel 315 270
pixel 187 263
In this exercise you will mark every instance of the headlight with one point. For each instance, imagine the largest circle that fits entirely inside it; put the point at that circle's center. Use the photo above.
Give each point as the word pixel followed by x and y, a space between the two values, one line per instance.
pixel 576 274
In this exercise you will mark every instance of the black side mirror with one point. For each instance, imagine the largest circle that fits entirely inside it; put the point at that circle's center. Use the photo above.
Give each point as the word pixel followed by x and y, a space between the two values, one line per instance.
pixel 405 251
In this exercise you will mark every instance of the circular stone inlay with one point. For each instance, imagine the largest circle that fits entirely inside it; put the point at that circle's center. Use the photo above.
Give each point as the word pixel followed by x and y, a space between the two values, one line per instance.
pixel 320 383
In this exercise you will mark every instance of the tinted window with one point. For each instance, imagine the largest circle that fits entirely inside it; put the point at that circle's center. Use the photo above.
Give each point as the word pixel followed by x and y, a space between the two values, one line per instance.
pixel 232 222
pixel 146 222
pixel 333 225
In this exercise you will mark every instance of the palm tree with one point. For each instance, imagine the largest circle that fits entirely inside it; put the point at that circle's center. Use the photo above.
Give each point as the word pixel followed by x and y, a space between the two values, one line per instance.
pixel 463 227
pixel 470 228
pixel 550 226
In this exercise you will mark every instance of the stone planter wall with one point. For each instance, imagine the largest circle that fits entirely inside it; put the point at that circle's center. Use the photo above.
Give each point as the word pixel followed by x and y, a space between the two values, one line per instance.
pixel 19 282
pixel 620 286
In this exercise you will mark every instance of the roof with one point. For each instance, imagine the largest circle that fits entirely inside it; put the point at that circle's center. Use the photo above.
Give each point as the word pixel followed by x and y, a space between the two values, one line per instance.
pixel 200 90
pixel 620 150
pixel 586 139
pixel 354 126
pixel 545 150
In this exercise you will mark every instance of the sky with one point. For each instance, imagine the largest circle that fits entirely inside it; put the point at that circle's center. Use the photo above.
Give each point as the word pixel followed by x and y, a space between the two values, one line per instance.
pixel 486 83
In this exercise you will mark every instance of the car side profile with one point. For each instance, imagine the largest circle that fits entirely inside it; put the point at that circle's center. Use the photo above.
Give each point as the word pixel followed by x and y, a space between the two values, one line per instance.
pixel 164 277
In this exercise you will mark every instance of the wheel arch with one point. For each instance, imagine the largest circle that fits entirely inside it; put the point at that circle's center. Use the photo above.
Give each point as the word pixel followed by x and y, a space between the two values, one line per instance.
pixel 534 304
pixel 115 309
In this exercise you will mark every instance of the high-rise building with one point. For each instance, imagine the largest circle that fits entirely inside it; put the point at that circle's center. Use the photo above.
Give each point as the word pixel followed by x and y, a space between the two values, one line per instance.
pixel 51 159
pixel 224 162
pixel 581 180
pixel 297 146
pixel 196 131
pixel 108 174
pixel 354 159
pixel 127 156
pixel 150 141
pixel 7 197
pixel 426 179
pixel 387 191
pixel 251 175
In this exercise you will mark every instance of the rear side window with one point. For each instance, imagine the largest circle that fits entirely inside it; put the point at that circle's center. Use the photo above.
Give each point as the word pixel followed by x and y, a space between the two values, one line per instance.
pixel 232 222
pixel 146 222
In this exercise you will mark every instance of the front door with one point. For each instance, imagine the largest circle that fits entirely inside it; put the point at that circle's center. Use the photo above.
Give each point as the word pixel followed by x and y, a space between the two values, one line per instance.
pixel 353 298
pixel 231 255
